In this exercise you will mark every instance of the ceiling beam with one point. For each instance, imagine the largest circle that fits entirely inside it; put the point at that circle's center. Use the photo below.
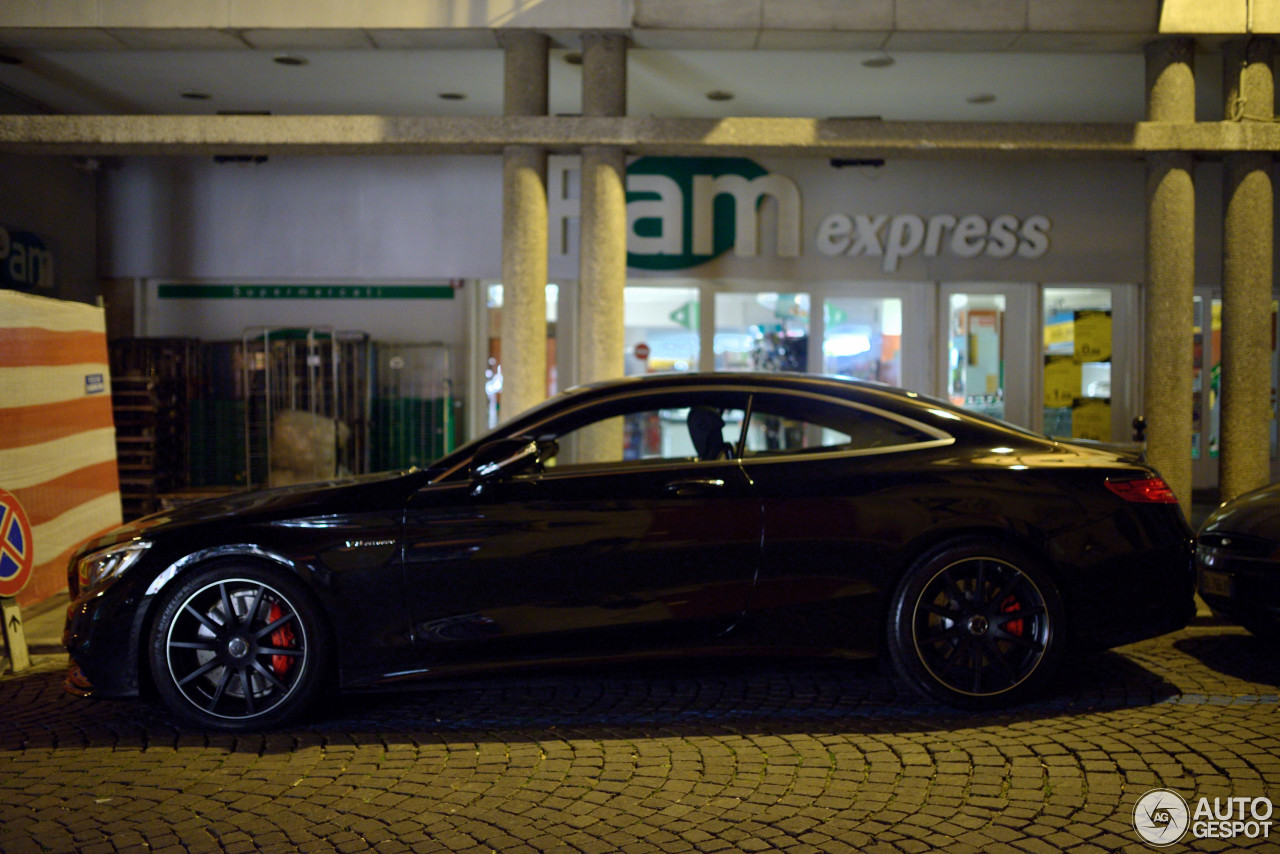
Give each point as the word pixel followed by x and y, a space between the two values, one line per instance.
pixel 370 135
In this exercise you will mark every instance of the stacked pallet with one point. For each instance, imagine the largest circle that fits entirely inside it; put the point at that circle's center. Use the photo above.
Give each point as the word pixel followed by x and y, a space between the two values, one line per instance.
pixel 151 384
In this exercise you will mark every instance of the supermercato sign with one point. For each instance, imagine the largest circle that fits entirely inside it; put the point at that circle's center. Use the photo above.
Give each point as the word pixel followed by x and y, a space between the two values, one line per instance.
pixel 683 212
pixel 321 292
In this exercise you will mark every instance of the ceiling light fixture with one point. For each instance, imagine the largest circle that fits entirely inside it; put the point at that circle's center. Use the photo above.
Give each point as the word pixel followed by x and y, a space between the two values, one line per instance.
pixel 289 59
pixel 719 95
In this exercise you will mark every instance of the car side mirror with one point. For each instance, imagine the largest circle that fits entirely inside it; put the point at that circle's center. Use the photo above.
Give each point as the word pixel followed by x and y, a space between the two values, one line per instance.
pixel 504 458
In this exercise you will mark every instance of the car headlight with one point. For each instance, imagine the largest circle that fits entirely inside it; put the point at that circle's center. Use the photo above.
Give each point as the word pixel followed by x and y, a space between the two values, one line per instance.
pixel 98 568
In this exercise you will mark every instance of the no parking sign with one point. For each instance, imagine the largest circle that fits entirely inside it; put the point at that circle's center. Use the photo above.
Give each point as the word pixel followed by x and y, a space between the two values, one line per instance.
pixel 16 547
pixel 16 553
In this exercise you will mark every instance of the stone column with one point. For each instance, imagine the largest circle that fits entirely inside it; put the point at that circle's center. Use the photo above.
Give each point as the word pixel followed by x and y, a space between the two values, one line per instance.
pixel 524 230
pixel 603 262
pixel 1170 286
pixel 1247 238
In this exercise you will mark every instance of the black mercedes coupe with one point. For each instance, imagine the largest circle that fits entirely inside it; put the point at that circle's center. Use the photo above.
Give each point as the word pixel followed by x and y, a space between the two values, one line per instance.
pixel 674 514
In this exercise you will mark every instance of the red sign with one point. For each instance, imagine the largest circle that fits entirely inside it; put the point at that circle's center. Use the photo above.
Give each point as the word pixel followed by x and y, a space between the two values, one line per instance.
pixel 16 547
pixel 642 351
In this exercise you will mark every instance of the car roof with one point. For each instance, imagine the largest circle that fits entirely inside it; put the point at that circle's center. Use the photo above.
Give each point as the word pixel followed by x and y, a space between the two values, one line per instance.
pixel 890 397
pixel 756 379
pixel 940 414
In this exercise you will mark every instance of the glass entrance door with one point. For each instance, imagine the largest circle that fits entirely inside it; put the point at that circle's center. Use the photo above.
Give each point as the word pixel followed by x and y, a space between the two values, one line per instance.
pixel 862 337
pixel 988 353
pixel 1079 399
pixel 764 331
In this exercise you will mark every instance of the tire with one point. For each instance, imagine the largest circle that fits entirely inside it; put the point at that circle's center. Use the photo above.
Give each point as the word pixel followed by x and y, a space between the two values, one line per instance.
pixel 260 668
pixel 976 624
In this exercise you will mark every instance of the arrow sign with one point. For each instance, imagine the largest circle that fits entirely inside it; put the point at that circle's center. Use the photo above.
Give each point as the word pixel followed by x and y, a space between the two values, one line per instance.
pixel 15 640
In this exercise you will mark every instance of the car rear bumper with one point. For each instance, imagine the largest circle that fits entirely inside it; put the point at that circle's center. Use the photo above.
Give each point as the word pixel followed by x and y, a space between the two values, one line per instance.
pixel 1140 596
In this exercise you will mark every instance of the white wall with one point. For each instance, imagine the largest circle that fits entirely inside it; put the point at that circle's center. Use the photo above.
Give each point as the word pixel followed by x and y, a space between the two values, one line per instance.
pixel 373 219
pixel 348 221
pixel 325 219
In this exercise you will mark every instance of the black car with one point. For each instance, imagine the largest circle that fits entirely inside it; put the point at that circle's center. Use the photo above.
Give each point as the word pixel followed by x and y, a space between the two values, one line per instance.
pixel 1238 561
pixel 717 513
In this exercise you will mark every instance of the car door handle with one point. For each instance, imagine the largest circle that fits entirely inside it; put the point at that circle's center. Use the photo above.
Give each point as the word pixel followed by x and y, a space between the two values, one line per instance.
pixel 691 488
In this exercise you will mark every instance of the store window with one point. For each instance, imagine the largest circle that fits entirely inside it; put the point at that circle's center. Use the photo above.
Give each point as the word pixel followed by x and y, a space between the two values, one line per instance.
pixel 493 366
pixel 661 330
pixel 1206 373
pixel 1077 363
pixel 762 332
pixel 1206 379
pixel 862 338
pixel 975 361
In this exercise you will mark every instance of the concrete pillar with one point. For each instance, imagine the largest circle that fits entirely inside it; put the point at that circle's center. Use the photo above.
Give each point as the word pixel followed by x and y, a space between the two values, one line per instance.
pixel 1247 247
pixel 603 262
pixel 1170 286
pixel 524 230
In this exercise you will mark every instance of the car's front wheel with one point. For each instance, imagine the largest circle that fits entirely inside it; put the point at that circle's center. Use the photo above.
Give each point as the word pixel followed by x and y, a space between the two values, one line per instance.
pixel 237 647
pixel 977 624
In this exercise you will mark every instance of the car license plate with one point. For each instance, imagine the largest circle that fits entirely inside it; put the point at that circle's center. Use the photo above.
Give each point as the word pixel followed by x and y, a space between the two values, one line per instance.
pixel 1215 583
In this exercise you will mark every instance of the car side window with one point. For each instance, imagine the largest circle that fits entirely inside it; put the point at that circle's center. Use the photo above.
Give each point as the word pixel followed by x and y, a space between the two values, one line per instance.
pixel 797 424
pixel 650 430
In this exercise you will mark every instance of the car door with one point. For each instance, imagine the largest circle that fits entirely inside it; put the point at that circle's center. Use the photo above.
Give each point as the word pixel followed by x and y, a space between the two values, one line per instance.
pixel 642 546
pixel 828 472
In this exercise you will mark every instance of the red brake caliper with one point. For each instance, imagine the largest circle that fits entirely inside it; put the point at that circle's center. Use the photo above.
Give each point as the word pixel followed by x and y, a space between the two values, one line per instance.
pixel 281 638
pixel 1008 606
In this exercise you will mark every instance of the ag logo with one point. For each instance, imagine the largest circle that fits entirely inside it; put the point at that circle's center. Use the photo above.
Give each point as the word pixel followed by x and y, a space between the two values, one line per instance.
pixel 1161 817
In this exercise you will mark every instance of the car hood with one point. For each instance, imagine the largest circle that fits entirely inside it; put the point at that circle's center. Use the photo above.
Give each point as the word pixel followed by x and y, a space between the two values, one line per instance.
pixel 364 493
pixel 1256 514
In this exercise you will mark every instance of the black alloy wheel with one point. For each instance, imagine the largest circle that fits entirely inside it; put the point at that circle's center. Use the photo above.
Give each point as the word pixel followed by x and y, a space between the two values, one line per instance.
pixel 976 624
pixel 238 648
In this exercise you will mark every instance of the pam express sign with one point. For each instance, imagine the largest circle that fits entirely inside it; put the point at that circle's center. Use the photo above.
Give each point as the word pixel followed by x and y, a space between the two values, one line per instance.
pixel 25 262
pixel 683 212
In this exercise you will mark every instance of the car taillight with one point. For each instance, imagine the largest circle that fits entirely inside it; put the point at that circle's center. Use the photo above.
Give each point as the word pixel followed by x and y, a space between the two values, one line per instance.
pixel 1151 490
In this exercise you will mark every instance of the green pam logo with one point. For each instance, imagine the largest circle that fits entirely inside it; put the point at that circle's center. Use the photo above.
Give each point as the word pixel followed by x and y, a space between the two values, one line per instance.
pixel 685 211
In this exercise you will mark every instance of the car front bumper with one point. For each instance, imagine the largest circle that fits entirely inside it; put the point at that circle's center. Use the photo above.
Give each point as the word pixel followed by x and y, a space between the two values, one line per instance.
pixel 1244 588
pixel 102 637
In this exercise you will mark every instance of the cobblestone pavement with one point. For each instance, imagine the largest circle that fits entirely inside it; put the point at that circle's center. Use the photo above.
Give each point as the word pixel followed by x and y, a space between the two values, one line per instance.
pixel 782 755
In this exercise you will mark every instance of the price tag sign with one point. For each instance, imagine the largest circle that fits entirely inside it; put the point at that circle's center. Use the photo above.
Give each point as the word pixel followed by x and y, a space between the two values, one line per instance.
pixel 1062 379
pixel 1093 336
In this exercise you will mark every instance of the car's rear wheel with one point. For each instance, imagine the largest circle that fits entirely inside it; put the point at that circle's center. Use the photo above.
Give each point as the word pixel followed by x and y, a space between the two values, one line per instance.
pixel 237 647
pixel 977 624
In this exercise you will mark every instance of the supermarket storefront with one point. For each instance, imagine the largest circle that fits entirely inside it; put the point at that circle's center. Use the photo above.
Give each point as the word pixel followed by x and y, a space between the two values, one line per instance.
pixel 1006 288
pixel 1012 288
